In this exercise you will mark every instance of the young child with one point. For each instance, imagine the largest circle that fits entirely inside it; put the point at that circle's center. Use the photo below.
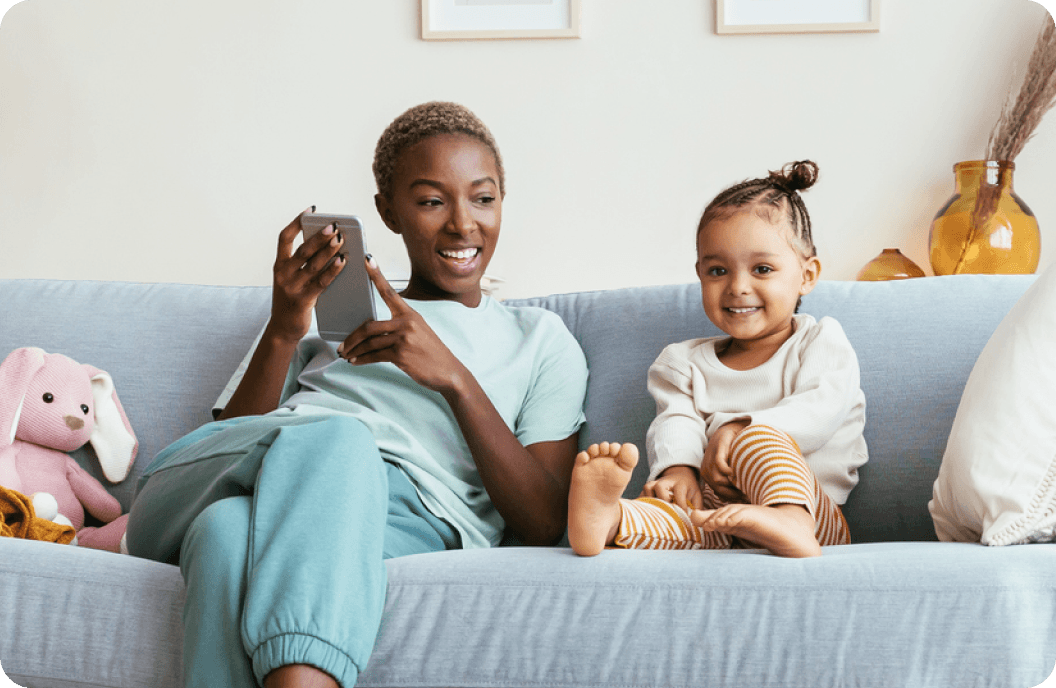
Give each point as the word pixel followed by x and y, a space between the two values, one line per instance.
pixel 758 435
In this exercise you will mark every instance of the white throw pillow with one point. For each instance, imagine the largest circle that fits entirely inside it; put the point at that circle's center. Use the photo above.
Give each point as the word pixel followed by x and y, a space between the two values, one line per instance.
pixel 997 482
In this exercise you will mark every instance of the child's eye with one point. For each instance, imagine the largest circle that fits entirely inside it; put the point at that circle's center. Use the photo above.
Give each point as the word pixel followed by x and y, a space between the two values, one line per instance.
pixel 764 269
pixel 716 271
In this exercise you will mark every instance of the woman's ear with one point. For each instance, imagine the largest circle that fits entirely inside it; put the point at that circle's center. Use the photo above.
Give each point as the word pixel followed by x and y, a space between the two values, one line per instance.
pixel 385 210
pixel 811 273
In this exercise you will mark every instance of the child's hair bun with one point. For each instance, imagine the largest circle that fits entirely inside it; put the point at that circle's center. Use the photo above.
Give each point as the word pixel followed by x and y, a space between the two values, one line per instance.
pixel 796 176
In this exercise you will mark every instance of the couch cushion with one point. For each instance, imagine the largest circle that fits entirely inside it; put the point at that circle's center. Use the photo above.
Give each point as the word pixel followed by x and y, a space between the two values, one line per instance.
pixel 71 616
pixel 882 614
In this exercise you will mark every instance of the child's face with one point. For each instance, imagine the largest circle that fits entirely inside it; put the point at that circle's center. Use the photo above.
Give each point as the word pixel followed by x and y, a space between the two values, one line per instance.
pixel 751 277
pixel 447 208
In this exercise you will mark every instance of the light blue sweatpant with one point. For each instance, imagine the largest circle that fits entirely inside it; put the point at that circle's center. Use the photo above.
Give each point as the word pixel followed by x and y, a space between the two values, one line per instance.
pixel 281 525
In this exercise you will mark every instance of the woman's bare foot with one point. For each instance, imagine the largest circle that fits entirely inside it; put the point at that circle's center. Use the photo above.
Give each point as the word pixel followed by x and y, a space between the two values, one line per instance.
pixel 787 530
pixel 599 478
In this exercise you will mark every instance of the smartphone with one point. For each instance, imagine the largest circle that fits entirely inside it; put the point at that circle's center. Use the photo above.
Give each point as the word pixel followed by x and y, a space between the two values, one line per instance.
pixel 349 300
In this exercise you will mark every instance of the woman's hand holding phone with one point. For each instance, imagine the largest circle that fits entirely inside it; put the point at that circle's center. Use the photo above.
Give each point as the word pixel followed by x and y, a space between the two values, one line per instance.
pixel 405 340
pixel 299 276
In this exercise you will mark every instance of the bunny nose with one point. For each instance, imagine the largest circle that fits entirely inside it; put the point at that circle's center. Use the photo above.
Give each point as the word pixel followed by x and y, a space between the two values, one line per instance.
pixel 74 423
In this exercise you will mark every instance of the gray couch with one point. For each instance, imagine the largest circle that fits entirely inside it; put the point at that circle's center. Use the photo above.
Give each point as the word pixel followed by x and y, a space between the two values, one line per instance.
pixel 896 608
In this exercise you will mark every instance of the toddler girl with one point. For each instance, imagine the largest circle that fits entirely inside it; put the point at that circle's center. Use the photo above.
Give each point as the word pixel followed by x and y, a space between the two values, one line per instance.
pixel 758 434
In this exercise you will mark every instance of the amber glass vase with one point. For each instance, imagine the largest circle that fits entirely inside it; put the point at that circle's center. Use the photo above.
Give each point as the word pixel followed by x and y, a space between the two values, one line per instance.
pixel 985 228
pixel 891 264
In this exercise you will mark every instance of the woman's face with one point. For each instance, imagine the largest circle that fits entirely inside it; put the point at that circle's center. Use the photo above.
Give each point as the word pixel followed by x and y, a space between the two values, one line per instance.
pixel 447 207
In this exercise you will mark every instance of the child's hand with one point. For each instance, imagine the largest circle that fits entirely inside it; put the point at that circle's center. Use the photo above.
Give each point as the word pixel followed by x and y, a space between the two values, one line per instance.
pixel 679 485
pixel 404 340
pixel 300 276
pixel 715 468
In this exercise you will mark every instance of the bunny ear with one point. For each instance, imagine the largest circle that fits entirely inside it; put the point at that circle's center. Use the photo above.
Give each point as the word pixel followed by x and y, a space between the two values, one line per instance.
pixel 16 372
pixel 112 439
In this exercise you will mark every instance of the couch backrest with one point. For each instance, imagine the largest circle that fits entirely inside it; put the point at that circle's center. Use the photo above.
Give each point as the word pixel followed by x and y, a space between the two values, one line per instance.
pixel 171 348
pixel 916 342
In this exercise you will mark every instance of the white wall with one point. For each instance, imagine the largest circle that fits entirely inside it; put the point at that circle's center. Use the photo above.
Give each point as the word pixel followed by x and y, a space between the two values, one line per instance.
pixel 170 141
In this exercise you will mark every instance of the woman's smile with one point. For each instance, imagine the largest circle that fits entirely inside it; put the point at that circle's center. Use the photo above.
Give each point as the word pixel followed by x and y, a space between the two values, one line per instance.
pixel 462 260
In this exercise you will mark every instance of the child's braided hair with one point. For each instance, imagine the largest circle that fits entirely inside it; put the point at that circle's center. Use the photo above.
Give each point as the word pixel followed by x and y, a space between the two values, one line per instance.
pixel 419 123
pixel 777 194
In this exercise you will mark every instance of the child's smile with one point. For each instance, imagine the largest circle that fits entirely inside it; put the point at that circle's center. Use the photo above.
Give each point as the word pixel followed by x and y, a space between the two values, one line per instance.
pixel 751 279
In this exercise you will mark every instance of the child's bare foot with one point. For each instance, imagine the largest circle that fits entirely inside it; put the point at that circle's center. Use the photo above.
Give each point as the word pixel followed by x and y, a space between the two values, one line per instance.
pixel 787 530
pixel 599 478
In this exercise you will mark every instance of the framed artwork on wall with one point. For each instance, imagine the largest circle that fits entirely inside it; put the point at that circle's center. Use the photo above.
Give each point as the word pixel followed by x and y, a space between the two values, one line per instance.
pixel 446 20
pixel 796 16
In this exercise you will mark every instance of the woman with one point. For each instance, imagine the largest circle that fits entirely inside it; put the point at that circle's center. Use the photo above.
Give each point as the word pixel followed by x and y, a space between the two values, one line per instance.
pixel 443 426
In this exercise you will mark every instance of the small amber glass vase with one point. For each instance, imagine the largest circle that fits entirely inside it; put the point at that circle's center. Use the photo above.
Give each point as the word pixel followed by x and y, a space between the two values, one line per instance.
pixel 985 228
pixel 891 264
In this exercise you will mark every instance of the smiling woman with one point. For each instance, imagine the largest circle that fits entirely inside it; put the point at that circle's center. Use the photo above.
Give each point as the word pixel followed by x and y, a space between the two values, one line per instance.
pixel 414 436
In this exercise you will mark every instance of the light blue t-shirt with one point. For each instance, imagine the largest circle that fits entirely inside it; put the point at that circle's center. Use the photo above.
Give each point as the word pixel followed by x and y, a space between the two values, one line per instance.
pixel 525 359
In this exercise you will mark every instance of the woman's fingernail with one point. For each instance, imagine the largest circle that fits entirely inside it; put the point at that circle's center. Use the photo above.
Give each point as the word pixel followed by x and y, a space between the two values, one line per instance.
pixel 313 208
pixel 328 230
pixel 371 262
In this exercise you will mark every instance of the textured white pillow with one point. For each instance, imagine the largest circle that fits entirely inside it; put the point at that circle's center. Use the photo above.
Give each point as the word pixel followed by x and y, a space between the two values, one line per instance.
pixel 997 482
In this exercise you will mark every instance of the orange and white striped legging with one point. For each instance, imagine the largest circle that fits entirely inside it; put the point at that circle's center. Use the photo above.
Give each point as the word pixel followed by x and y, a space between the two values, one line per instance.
pixel 768 468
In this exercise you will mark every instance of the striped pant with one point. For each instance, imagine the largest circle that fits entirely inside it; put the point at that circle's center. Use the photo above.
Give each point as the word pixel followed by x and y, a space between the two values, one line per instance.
pixel 768 468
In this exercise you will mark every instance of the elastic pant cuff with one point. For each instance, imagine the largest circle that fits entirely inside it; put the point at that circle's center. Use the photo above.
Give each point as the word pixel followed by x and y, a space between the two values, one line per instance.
pixel 299 648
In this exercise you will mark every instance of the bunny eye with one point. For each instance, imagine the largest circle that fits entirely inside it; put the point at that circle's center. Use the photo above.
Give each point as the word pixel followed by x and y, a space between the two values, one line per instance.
pixel 48 397
pixel 84 409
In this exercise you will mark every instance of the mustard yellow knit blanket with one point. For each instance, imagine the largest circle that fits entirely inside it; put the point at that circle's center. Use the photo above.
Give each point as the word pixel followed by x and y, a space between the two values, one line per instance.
pixel 17 519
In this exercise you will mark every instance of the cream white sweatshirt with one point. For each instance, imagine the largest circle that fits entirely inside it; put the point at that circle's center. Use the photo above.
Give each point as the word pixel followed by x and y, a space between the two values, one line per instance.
pixel 809 389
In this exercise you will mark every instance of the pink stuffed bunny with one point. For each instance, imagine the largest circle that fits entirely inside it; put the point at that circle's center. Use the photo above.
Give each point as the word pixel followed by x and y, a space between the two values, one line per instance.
pixel 50 405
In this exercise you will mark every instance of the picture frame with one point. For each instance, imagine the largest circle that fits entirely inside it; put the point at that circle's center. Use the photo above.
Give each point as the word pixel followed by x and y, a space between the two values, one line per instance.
pixel 452 20
pixel 796 16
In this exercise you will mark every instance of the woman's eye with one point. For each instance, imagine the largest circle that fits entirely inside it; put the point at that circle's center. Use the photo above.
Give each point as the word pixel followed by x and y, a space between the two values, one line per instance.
pixel 486 199
pixel 430 202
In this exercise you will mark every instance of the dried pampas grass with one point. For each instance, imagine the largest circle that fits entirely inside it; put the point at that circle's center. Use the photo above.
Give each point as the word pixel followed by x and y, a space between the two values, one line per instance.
pixel 1021 116
pixel 1019 119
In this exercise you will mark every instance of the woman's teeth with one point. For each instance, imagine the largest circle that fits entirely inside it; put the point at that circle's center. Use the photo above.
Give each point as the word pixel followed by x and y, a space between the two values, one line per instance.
pixel 743 310
pixel 461 254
